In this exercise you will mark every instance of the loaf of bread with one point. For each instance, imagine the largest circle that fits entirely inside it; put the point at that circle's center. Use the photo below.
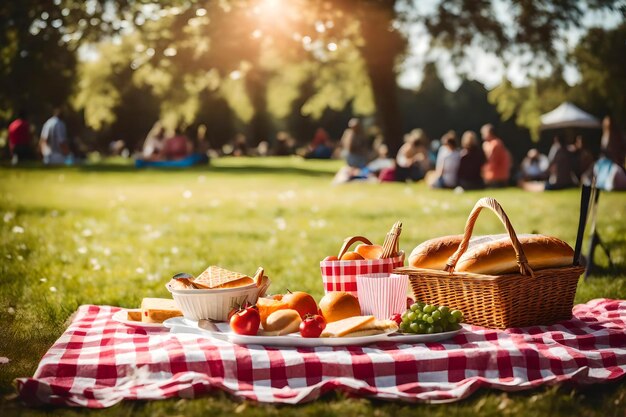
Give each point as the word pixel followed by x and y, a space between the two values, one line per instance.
pixel 434 253
pixel 498 256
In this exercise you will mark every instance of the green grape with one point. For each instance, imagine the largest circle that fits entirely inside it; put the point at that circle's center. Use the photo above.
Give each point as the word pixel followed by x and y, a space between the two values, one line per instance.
pixel 404 327
pixel 430 320
pixel 451 319
pixel 422 326
pixel 438 329
pixel 414 327
pixel 414 307
pixel 436 315
pixel 444 310
pixel 430 330
pixel 406 313
pixel 427 308
pixel 457 315
pixel 412 316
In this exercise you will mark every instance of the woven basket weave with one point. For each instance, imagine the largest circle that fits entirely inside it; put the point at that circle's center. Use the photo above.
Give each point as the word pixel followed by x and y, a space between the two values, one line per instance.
pixel 499 301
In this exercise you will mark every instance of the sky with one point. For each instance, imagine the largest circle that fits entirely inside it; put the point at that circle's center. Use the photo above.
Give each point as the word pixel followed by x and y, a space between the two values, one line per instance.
pixel 487 67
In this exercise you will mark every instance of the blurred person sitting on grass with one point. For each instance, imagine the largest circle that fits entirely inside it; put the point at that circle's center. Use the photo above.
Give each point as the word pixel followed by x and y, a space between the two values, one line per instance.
pixel 320 147
pixel 497 168
pixel 20 139
pixel 354 145
pixel 54 140
pixel 178 146
pixel 612 143
pixel 470 166
pixel 561 169
pixel 153 145
pixel 284 144
pixel 412 160
pixel 448 160
pixel 583 158
pixel 534 166
pixel 239 146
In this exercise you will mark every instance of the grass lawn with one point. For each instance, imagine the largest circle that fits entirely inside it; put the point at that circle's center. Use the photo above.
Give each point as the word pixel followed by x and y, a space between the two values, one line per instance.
pixel 108 234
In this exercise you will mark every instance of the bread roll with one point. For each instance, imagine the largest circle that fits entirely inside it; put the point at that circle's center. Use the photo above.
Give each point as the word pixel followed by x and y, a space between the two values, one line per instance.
pixel 498 257
pixel 282 322
pixel 434 253
pixel 338 305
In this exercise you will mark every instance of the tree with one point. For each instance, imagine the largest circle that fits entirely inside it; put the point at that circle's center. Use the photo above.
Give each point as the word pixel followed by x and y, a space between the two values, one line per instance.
pixel 601 60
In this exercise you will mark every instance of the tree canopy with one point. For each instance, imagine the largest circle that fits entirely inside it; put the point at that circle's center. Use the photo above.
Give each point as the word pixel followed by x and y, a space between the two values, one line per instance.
pixel 263 57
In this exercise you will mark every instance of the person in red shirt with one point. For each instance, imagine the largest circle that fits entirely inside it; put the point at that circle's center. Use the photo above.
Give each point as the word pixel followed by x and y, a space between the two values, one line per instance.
pixel 497 168
pixel 20 139
pixel 177 147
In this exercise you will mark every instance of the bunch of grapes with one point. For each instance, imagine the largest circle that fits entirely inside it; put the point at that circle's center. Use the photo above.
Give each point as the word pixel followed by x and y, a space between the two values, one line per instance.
pixel 426 318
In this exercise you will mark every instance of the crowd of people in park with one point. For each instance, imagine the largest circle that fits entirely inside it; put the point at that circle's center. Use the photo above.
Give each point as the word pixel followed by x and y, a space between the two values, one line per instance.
pixel 471 161
pixel 468 164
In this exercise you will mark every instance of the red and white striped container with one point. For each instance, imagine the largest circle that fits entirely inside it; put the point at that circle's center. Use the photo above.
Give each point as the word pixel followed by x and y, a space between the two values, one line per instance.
pixel 382 295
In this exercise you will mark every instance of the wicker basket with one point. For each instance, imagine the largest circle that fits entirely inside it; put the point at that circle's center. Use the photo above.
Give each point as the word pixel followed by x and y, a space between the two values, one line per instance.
pixel 499 301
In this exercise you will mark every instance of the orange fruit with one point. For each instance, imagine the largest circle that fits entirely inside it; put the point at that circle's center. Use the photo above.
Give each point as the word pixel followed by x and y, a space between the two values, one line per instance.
pixel 302 302
pixel 351 256
pixel 369 251
pixel 267 306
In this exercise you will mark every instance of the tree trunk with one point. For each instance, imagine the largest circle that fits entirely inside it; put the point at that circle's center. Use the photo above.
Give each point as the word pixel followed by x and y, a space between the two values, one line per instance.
pixel 381 47
pixel 260 125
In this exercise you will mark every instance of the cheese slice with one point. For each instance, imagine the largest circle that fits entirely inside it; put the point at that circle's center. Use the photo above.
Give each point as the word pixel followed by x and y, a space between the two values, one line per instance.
pixel 358 326
pixel 157 310
pixel 342 327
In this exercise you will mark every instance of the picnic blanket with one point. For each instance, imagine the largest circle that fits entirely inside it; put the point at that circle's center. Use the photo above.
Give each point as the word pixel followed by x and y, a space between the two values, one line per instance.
pixel 98 362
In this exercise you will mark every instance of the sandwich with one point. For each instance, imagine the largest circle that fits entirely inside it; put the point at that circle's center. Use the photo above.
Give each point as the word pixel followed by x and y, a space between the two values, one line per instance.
pixel 215 277
pixel 359 326
pixel 157 310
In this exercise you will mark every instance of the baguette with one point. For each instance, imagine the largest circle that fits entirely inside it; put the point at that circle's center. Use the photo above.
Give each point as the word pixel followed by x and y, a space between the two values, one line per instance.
pixel 434 253
pixel 498 257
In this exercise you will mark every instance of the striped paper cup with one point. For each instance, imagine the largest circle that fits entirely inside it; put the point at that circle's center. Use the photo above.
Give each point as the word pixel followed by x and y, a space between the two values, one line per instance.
pixel 382 295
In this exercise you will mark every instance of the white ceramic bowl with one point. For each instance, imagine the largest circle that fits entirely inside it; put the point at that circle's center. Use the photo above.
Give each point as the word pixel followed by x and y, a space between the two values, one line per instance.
pixel 212 304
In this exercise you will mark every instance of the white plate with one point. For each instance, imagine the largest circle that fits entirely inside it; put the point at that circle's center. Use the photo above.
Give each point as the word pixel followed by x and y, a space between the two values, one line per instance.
pixel 183 325
pixel 422 338
pixel 122 317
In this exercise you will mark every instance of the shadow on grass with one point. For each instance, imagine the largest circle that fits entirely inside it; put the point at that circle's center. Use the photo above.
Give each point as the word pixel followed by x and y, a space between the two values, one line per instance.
pixel 245 168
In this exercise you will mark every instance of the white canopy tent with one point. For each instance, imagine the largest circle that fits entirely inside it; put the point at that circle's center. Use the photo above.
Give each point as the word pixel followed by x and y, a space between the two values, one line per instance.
pixel 568 115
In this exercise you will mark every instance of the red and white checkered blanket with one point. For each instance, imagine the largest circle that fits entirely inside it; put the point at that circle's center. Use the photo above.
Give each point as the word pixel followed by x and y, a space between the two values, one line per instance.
pixel 98 362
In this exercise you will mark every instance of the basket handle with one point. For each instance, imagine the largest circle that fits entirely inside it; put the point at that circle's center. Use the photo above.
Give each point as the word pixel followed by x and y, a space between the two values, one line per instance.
pixel 493 205
pixel 351 240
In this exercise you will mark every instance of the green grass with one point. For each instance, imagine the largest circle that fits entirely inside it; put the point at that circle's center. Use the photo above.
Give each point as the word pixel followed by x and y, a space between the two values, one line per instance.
pixel 108 234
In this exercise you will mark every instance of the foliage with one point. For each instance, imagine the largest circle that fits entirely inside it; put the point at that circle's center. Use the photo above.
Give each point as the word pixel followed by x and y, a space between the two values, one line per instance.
pixel 601 59
pixel 527 104
pixel 89 233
